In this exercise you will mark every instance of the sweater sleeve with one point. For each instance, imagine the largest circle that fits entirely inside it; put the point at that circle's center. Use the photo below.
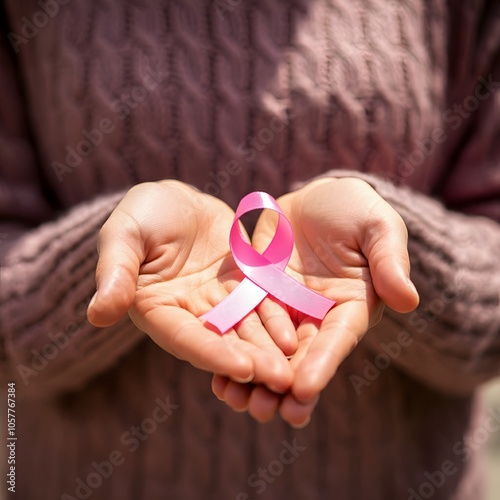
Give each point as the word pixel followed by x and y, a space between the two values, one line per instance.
pixel 454 335
pixel 454 239
pixel 47 259
pixel 454 236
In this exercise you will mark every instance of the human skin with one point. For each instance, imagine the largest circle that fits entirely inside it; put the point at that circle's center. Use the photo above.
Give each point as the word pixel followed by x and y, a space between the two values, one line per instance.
pixel 351 246
pixel 163 258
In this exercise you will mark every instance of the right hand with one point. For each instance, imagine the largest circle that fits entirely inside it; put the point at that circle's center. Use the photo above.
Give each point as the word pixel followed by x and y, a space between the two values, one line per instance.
pixel 350 245
pixel 164 258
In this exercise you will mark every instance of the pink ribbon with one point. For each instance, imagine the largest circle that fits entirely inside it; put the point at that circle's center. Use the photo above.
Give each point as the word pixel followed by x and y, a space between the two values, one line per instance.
pixel 264 273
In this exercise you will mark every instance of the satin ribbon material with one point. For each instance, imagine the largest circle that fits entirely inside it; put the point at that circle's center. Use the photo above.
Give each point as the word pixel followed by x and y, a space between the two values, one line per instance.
pixel 264 273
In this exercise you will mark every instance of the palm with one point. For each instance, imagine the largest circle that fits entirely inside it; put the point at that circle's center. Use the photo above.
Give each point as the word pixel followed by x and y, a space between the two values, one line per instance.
pixel 186 269
pixel 164 258
pixel 326 257
pixel 350 246
pixel 188 265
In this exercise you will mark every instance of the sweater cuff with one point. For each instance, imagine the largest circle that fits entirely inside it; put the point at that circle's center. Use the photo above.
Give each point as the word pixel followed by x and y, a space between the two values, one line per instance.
pixel 454 335
pixel 49 346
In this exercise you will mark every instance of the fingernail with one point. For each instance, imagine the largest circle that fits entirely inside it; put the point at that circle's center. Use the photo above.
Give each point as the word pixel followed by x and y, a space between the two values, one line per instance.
pixel 302 425
pixel 411 286
pixel 243 380
pixel 92 301
pixel 276 390
pixel 240 410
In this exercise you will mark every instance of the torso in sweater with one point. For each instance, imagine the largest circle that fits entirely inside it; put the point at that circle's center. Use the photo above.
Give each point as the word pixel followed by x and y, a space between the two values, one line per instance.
pixel 233 97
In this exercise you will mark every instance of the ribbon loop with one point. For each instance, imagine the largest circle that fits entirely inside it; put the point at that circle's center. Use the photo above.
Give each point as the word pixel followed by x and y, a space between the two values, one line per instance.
pixel 264 273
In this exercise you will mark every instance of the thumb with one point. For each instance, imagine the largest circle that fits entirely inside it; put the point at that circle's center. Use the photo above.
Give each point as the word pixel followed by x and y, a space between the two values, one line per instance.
pixel 121 252
pixel 386 247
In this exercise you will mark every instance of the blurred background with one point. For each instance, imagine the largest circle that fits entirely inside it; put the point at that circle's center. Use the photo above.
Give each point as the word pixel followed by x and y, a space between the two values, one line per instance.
pixel 491 394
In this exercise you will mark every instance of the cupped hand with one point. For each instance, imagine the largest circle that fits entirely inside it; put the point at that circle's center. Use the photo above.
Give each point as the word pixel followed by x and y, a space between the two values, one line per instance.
pixel 351 246
pixel 164 258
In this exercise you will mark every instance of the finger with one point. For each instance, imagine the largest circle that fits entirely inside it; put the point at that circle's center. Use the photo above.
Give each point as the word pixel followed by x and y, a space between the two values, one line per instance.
pixel 270 364
pixel 237 396
pixel 277 322
pixel 385 244
pixel 120 255
pixel 297 414
pixel 263 404
pixel 178 332
pixel 219 383
pixel 306 332
pixel 339 333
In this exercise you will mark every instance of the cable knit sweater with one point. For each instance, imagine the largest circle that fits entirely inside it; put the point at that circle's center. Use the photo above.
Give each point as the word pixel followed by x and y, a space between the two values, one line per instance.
pixel 233 96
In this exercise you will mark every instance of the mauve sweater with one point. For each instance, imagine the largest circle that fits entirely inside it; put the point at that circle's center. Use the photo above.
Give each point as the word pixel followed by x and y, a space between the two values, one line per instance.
pixel 233 96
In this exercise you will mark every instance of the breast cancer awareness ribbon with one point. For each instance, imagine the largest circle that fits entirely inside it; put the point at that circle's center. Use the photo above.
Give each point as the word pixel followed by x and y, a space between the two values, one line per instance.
pixel 264 273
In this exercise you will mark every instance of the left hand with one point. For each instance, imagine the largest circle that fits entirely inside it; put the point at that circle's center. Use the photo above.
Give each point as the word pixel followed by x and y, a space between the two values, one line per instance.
pixel 162 260
pixel 350 246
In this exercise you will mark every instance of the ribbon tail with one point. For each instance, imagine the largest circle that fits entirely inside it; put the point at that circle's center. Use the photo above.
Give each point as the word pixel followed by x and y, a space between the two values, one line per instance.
pixel 241 301
pixel 288 290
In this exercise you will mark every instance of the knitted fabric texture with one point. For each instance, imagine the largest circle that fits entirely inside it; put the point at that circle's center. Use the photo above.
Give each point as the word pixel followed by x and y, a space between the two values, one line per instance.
pixel 233 97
